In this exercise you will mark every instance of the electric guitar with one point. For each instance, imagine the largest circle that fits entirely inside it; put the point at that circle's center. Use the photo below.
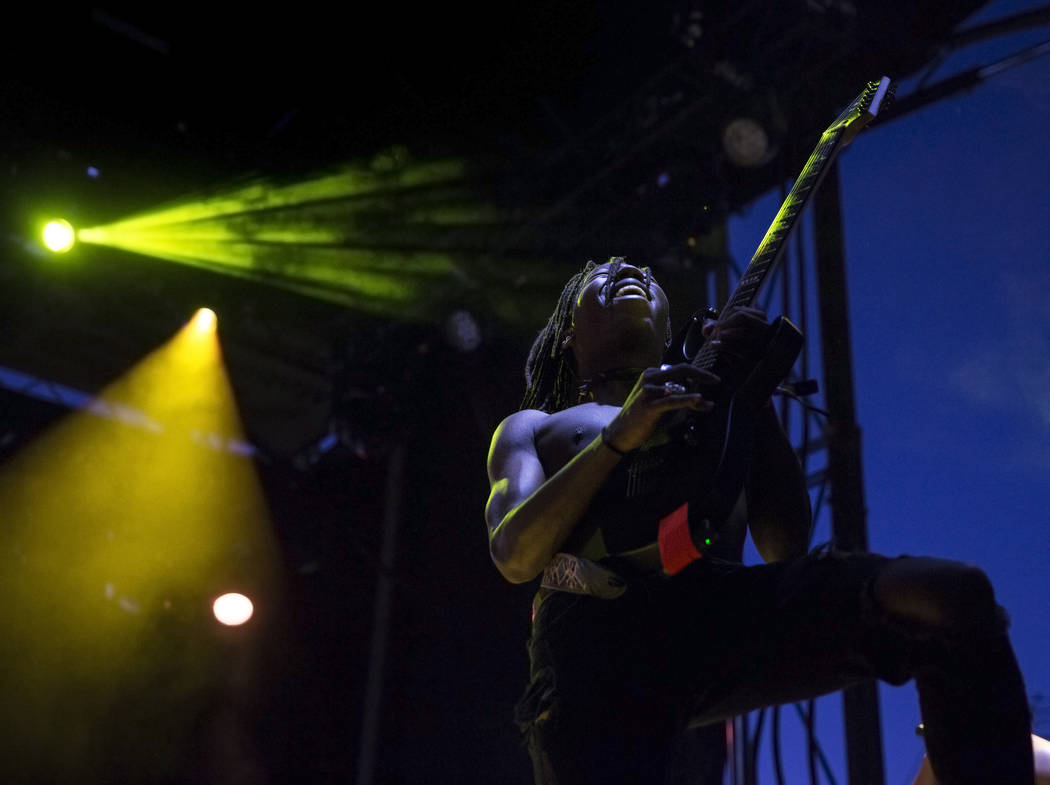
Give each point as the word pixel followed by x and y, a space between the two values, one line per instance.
pixel 714 449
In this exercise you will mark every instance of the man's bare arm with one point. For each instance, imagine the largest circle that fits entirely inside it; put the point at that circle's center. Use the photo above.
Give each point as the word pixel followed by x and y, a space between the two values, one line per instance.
pixel 530 515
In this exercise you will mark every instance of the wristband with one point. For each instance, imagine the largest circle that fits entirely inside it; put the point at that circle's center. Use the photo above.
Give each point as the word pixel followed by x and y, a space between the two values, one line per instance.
pixel 677 549
pixel 609 444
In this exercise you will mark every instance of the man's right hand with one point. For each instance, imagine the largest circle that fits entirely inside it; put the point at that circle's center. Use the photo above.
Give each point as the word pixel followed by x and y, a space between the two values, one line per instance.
pixel 658 390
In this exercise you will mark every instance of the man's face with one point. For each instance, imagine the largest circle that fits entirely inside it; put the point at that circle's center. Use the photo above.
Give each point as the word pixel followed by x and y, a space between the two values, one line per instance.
pixel 619 305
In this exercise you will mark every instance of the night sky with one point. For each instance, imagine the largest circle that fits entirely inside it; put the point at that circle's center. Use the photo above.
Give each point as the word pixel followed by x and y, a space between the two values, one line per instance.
pixel 946 212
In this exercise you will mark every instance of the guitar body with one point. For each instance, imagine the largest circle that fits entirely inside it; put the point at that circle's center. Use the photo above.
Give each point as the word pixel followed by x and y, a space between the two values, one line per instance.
pixel 695 459
pixel 702 458
pixel 682 485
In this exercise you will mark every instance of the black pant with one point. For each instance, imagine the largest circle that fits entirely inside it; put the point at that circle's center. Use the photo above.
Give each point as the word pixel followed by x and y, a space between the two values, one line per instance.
pixel 615 684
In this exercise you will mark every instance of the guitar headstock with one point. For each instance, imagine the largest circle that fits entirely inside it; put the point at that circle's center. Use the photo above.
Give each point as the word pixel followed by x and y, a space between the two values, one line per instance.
pixel 864 109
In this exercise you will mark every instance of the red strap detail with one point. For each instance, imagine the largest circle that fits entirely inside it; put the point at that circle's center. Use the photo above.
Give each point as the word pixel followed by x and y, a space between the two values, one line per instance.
pixel 676 544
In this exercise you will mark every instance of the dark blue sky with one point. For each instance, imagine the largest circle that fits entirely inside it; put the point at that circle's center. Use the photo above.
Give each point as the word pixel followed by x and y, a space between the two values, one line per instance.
pixel 946 217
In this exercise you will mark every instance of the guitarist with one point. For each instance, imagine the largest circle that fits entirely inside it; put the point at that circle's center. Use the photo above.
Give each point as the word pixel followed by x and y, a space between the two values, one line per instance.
pixel 626 658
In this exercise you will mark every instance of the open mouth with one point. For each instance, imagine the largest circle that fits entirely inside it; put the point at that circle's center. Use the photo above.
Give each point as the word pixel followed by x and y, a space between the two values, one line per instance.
pixel 630 287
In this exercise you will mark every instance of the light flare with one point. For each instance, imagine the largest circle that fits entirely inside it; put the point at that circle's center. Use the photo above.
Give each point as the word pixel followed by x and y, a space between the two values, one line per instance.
pixel 59 235
pixel 205 321
pixel 232 609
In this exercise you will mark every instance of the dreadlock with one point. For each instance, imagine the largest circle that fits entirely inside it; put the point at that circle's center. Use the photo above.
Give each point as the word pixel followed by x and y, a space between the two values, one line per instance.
pixel 550 379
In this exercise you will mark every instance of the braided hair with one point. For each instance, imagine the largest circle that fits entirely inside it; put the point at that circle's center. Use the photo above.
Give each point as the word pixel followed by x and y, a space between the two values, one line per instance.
pixel 550 379
pixel 551 383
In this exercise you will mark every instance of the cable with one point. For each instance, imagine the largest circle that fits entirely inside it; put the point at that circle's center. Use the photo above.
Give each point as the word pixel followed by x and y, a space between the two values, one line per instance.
pixel 811 740
pixel 755 742
pixel 805 404
pixel 1025 20
pixel 731 751
pixel 778 763
pixel 815 749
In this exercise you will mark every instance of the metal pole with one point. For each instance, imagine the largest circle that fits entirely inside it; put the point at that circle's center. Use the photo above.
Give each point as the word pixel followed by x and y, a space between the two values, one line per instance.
pixel 381 619
pixel 848 513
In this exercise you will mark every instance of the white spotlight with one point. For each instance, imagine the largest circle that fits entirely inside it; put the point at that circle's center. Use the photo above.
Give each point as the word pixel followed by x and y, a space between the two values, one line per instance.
pixel 232 609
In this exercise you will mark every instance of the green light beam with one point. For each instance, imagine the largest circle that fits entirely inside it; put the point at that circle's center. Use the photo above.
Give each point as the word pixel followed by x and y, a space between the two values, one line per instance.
pixel 390 239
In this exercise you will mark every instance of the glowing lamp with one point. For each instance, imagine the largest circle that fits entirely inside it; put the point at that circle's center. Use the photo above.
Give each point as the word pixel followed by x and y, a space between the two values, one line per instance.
pixel 59 235
pixel 205 320
pixel 232 609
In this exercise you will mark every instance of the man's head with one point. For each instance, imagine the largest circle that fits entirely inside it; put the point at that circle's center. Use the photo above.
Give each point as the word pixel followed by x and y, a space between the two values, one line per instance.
pixel 608 316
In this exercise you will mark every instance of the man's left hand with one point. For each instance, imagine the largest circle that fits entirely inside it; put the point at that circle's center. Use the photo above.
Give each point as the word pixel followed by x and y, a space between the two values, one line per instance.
pixel 738 333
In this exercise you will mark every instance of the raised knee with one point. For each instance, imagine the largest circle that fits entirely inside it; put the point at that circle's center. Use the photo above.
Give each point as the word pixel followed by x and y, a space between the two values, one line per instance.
pixel 971 598
pixel 939 593
pixel 973 582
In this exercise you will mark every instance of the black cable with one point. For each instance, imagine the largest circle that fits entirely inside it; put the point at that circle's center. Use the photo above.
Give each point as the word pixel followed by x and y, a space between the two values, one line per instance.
pixel 805 404
pixel 778 763
pixel 964 81
pixel 1025 20
pixel 756 742
pixel 816 750
pixel 811 741
pixel 735 776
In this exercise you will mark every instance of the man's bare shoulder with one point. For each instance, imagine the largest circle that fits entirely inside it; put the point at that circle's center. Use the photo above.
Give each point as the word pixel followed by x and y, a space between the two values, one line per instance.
pixel 533 422
pixel 516 432
pixel 557 437
pixel 519 424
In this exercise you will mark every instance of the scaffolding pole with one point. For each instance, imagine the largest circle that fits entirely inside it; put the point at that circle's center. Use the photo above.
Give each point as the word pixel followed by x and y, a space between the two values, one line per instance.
pixel 848 512
pixel 372 711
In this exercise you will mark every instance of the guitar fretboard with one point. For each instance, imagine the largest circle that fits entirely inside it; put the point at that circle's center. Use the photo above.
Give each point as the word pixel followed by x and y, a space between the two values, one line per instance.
pixel 772 247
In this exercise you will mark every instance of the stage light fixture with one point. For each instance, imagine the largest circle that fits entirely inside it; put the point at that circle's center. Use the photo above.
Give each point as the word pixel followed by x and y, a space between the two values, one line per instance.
pixel 59 235
pixel 205 320
pixel 746 142
pixel 232 609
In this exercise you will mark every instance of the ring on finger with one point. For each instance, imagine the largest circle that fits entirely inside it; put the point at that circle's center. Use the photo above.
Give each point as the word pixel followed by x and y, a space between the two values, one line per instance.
pixel 673 388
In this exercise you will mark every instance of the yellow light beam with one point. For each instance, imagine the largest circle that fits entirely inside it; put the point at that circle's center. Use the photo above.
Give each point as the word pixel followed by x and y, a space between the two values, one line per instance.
pixel 117 540
pixel 349 181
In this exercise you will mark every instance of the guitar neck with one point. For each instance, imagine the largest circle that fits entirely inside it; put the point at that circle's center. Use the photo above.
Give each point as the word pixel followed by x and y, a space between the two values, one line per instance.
pixel 773 246
pixel 771 250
